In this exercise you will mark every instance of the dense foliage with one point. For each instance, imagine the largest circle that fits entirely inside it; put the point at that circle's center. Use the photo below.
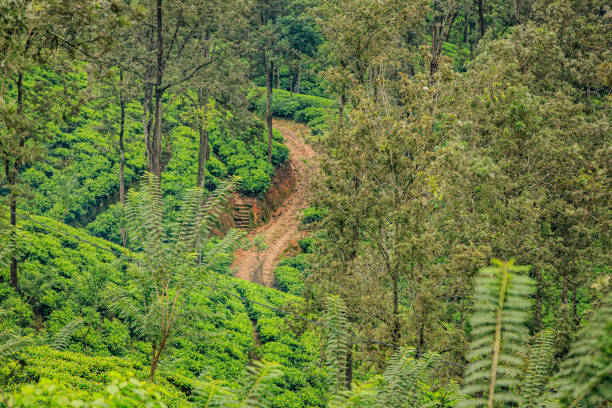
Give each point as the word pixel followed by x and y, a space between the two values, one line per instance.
pixel 449 134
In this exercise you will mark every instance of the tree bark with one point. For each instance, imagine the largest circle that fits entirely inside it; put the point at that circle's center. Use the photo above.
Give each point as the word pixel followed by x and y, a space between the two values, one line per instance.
pixel 575 306
pixel 466 18
pixel 13 221
pixel 278 76
pixel 481 24
pixel 122 154
pixel 12 179
pixel 269 70
pixel 299 77
pixel 537 312
pixel 202 156
pixel 154 140
pixel 349 367
pixel 396 325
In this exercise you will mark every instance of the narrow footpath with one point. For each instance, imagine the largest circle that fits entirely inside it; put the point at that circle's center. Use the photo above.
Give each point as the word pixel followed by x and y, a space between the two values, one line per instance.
pixel 282 229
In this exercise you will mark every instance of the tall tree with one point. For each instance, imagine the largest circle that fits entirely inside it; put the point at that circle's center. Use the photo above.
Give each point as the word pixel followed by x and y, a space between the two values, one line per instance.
pixel 40 34
pixel 524 172
pixel 170 45
pixel 266 47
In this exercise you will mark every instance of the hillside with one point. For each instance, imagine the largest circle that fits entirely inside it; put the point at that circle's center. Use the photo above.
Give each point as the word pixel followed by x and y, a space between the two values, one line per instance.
pixel 67 279
pixel 305 204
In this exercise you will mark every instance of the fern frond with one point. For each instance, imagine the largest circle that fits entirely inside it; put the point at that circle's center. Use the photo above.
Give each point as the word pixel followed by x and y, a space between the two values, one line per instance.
pixel 11 344
pixel 540 360
pixel 402 377
pixel 585 378
pixel 226 245
pixel 214 203
pixel 499 332
pixel 337 346
pixel 62 338
pixel 184 237
pixel 256 389
pixel 124 306
pixel 214 394
pixel 360 396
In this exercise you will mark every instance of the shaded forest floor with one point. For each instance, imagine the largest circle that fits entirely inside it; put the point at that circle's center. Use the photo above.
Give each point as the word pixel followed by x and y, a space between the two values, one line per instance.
pixel 282 230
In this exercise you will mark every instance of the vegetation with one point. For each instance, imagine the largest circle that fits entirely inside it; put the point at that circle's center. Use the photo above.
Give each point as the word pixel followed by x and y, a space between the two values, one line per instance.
pixel 449 135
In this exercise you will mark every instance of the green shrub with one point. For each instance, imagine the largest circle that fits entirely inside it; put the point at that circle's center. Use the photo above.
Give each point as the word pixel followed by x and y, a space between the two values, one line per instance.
pixel 289 279
pixel 313 214
pixel 307 109
pixel 121 392
pixel 306 244
pixel 299 262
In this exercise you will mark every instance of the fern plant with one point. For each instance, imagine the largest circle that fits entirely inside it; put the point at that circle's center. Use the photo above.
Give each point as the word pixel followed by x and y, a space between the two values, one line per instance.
pixel 257 386
pixel 585 377
pixel 360 396
pixel 499 334
pixel 337 344
pixel 61 340
pixel 540 360
pixel 402 378
pixel 170 259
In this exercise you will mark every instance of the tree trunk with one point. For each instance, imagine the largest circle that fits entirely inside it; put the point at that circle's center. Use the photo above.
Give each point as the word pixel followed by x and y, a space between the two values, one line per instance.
pixel 480 4
pixel 269 70
pixel 155 140
pixel 278 76
pixel 12 179
pixel 575 306
pixel 537 312
pixel 435 49
pixel 154 361
pixel 564 291
pixel 202 156
pixel 396 326
pixel 13 266
pixel 122 154
pixel 349 367
pixel 299 77
pixel 466 18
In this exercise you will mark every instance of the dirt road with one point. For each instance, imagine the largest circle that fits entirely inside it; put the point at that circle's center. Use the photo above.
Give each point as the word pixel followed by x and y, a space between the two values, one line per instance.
pixel 282 228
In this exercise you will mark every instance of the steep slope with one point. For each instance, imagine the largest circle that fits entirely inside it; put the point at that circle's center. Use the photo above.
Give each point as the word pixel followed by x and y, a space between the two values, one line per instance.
pixel 282 229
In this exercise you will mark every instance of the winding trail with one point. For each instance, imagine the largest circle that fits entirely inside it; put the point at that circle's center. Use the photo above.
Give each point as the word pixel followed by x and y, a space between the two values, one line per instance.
pixel 282 229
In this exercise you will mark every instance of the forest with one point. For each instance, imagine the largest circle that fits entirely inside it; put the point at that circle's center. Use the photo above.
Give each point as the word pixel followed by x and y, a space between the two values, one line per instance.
pixel 305 203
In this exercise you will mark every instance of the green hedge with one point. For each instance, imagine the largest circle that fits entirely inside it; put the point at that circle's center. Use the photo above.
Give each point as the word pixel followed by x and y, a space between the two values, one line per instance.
pixel 307 109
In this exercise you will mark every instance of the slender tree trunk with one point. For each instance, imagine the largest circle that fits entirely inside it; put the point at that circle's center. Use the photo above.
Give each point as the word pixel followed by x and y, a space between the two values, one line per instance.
pixel 575 306
pixel 435 52
pixel 269 70
pixel 466 22
pixel 13 266
pixel 154 361
pixel 278 76
pixel 202 156
pixel 564 291
pixel 481 25
pixel 349 367
pixel 396 325
pixel 298 76
pixel 537 312
pixel 12 178
pixel 122 154
pixel 156 140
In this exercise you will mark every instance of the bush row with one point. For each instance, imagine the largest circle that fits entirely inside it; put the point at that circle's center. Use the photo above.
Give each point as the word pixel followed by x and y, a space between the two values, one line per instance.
pixel 307 109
